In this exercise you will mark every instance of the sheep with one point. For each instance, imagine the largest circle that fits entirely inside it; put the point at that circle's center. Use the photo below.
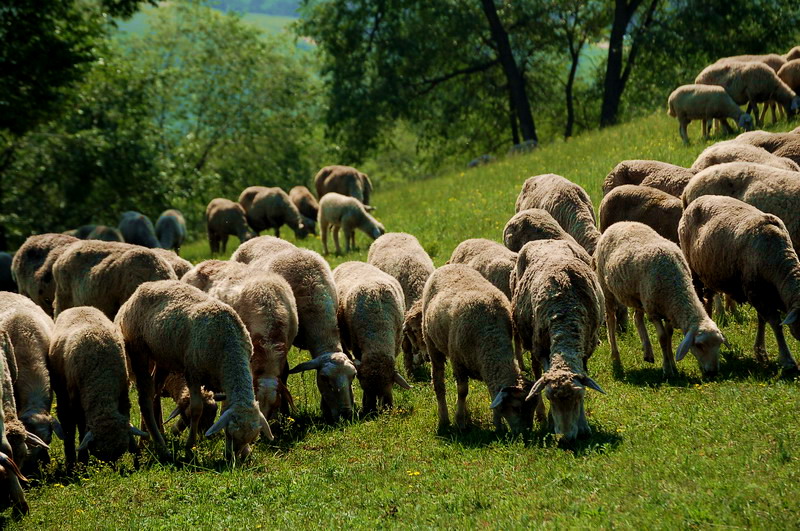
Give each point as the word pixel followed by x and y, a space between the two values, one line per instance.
pixel 179 328
pixel 137 229
pixel 90 381
pixel 96 232
pixel 734 151
pixel 15 433
pixel 175 387
pixel 346 181
pixel 267 307
pixel 656 209
pixel 557 309
pixel 370 315
pixel 468 321
pixel 532 224
pixel 104 274
pixel 270 208
pixel 10 473
pixel 224 217
pixel 653 173
pixel 260 247
pixel 179 265
pixel 340 211
pixel 774 61
pixel 643 270
pixel 491 259
pixel 32 267
pixel 29 329
pixel 779 144
pixel 7 282
pixel 401 256
pixel 568 203
pixel 171 230
pixel 769 189
pixel 750 83
pixel 790 74
pixel 735 248
pixel 307 204
pixel 311 280
pixel 792 54
pixel 704 102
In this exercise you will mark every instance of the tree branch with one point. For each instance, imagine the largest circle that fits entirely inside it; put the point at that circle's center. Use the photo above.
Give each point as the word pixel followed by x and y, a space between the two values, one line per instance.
pixel 433 83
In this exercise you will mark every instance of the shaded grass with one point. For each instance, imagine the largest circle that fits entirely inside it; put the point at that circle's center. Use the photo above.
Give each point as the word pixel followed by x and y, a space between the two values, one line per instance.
pixel 686 452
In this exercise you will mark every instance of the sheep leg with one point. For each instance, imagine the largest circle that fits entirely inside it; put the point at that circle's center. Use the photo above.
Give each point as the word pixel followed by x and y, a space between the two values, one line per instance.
pixel 664 331
pixel 539 412
pixel 611 328
pixel 638 318
pixel 370 403
pixel 682 128
pixel 323 232
pixel 462 386
pixel 725 126
pixel 784 355
pixel 437 375
pixel 145 388
pixel 348 237
pixel 224 242
pixel 83 455
pixel 67 425
pixel 213 243
pixel 336 239
pixel 518 352
pixel 195 412
pixel 759 349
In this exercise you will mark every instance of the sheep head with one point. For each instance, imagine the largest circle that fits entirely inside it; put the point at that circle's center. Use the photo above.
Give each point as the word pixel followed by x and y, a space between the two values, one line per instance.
pixel 10 477
pixel 302 230
pixel 41 426
pixel 109 438
pixel 335 373
pixel 745 122
pixel 704 343
pixel 793 322
pixel 242 423
pixel 510 403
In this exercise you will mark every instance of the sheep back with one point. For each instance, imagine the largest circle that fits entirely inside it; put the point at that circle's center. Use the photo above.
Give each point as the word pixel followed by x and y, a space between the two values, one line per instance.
pixel 32 267
pixel 343 180
pixel 656 209
pixel 171 229
pixel 137 229
pixel 270 208
pixel 400 255
pixel 491 259
pixel 733 151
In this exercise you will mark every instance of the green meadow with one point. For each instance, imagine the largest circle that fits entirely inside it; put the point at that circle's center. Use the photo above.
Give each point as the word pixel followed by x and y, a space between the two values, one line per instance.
pixel 678 453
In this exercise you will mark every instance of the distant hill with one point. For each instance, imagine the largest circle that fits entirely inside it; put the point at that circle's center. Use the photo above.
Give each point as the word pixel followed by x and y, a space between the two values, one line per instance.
pixel 285 8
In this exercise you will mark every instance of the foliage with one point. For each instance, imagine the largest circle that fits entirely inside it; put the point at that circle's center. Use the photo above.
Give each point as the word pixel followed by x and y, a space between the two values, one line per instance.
pixel 287 8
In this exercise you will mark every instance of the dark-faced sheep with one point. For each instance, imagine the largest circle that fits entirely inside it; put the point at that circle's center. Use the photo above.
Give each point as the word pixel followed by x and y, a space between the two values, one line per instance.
pixel 179 328
pixel 656 209
pixel 307 204
pixel 171 230
pixel 137 229
pixel 346 181
pixel 734 248
pixel 90 380
pixel 271 208
pixel 32 267
pixel 653 173
pixel 468 321
pixel 338 211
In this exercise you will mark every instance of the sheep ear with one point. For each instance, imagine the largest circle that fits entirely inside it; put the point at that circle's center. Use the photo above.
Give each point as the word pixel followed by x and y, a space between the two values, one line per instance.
pixel 139 433
pixel 791 317
pixel 89 437
pixel 175 413
pixel 57 429
pixel 498 399
pixel 6 461
pixel 399 380
pixel 591 384
pixel 311 365
pixel 688 341
pixel 536 389
pixel 31 439
pixel 265 429
pixel 223 421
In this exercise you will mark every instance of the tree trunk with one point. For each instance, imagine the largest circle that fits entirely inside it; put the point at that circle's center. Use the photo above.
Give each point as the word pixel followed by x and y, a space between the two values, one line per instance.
pixel 512 117
pixel 570 83
pixel 613 84
pixel 516 80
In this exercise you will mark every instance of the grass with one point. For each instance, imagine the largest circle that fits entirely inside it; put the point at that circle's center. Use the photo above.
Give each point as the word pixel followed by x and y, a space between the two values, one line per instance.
pixel 663 454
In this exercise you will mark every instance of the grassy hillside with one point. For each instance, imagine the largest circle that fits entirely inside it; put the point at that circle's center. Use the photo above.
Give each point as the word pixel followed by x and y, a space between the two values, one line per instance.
pixel 665 454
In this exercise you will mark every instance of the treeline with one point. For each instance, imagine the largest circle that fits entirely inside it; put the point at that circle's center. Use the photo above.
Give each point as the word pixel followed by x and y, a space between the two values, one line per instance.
pixel 286 8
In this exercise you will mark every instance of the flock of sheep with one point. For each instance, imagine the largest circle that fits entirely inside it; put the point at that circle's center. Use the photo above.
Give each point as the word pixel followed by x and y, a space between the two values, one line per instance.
pixel 721 88
pixel 669 240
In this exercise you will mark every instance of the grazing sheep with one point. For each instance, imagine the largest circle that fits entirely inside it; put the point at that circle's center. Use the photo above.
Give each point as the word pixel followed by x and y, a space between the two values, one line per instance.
pixel 307 204
pixel 179 265
pixel 401 256
pixel 90 380
pixel 733 151
pixel 137 229
pixel 29 329
pixel 340 211
pixel 105 233
pixel 769 189
pixel 653 173
pixel 171 229
pixel 790 74
pixel 175 387
pixel 223 218
pixel 779 144
pixel 772 60
pixel 10 488
pixel 104 274
pixel 557 309
pixel 266 305
pixel 32 267
pixel 648 273
pixel 792 54
pixel 370 316
pixel 311 280
pixel 15 433
pixel 212 348
pixel 346 181
pixel 656 209
pixel 568 203
pixel 532 224
pixel 468 321
pixel 734 248
pixel 705 102
pixel 270 208
pixel 260 247
pixel 7 282
pixel 491 259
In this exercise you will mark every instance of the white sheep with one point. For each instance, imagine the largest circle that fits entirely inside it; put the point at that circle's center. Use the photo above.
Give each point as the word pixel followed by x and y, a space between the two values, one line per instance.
pixel 735 151
pixel 10 474
pixel 530 225
pixel 340 211
pixel 260 247
pixel 652 173
pixel 659 210
pixel 779 144
pixel 705 102
pixel 32 267
pixel 491 259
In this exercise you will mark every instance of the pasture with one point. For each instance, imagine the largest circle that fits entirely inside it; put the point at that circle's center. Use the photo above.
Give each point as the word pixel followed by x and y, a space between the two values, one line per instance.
pixel 665 454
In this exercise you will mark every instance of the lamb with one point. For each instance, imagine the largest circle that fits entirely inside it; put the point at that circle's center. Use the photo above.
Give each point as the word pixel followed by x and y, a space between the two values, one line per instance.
pixel 270 208
pixel 370 316
pixel 491 259
pixel 655 174
pixel 32 267
pixel 90 380
pixel 735 248
pixel 9 471
pixel 568 203
pixel 307 204
pixel 137 229
pixel 212 349
pixel 29 329
pixel 557 309
pixel 171 230
pixel 769 189
pixel 637 267
pixel 340 211
pixel 656 209
pixel 7 282
pixel 267 307
pixel 779 144
pixel 705 102
pixel 104 274
pixel 224 217
pixel 260 247
pixel 468 321
pixel 532 224
pixel 179 265
pixel 346 181
pixel 401 256
pixel 734 151
pixel 311 280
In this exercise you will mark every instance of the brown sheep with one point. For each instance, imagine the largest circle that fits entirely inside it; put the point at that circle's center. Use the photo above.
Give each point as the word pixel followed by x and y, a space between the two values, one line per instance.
pixel 223 218
pixel 656 209
pixel 32 267
pixel 346 181
pixel 653 173
pixel 270 208
pixel 307 204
